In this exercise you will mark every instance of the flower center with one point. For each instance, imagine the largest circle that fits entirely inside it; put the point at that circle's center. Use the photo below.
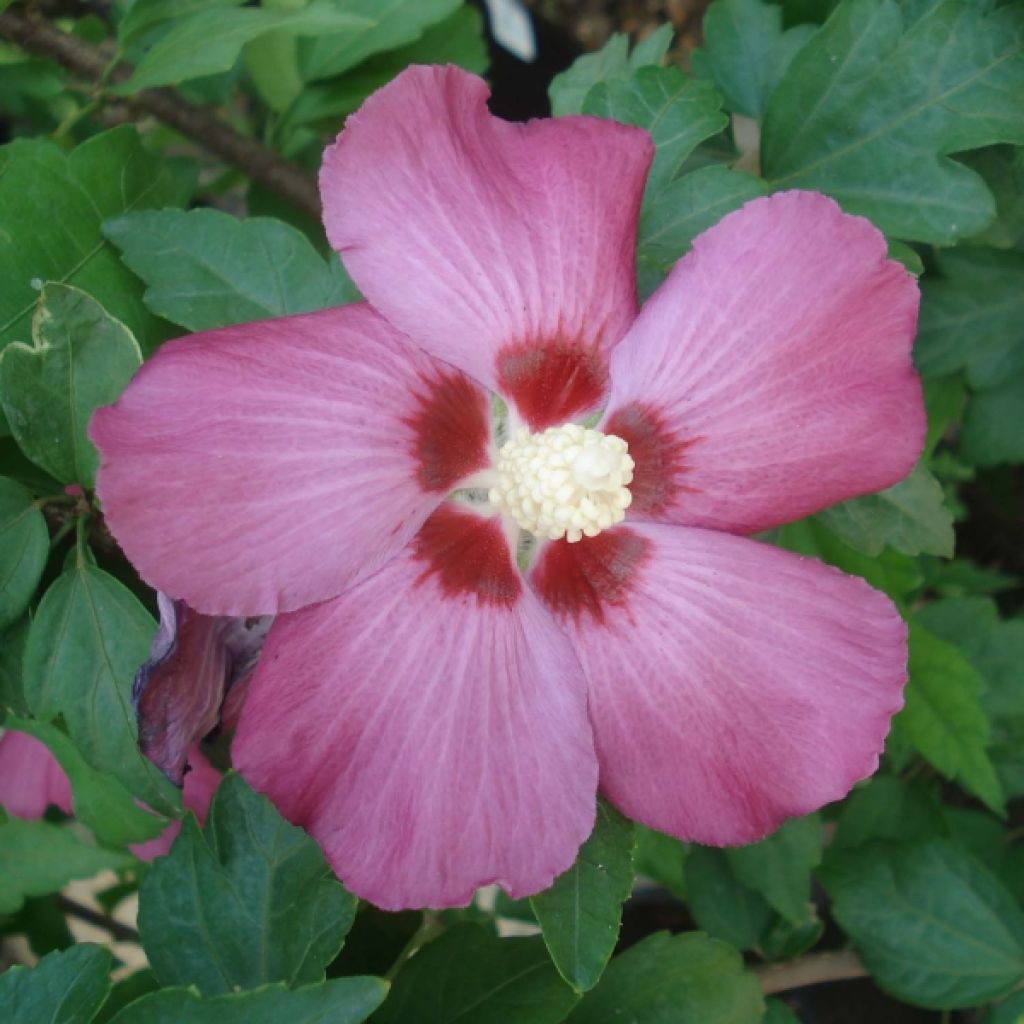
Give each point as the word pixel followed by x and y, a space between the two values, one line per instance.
pixel 565 481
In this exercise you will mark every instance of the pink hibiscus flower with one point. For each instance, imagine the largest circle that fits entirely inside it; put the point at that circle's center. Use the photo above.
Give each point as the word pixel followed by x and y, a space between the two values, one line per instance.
pixel 443 690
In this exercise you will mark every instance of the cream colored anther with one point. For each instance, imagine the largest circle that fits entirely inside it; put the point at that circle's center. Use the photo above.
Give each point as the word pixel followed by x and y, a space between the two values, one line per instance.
pixel 566 481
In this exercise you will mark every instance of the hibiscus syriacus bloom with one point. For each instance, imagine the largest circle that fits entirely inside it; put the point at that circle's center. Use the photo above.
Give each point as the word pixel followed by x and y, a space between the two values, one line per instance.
pixel 439 698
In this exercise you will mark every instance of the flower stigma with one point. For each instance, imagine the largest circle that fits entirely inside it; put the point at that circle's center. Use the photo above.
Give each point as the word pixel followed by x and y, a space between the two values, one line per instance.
pixel 568 481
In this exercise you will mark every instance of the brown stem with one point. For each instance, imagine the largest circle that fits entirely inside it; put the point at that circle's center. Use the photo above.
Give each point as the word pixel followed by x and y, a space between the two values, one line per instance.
pixel 810 970
pixel 121 932
pixel 197 123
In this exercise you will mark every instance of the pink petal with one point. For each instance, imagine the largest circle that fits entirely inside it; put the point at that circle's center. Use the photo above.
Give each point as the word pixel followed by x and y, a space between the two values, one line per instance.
pixel 732 684
pixel 505 249
pixel 262 467
pixel 201 782
pixel 770 375
pixel 30 777
pixel 428 727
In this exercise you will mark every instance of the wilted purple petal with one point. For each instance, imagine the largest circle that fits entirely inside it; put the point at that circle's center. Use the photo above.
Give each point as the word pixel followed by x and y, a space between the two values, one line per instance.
pixel 179 690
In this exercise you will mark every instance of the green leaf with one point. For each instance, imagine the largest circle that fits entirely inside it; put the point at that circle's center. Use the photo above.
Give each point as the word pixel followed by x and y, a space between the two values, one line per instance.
pixel 12 650
pixel 991 434
pixel 868 113
pixel 674 979
pixel 580 914
pixel 689 205
pixel 393 23
pixel 963 578
pixel 101 803
pixel 1009 1012
pixel 205 269
pixel 127 990
pixel 63 988
pixel 24 545
pixel 943 718
pixel 661 858
pixel 80 358
pixel 678 112
pixel 376 941
pixel 613 62
pixel 143 16
pixel 887 808
pixel 1002 167
pixel 995 648
pixel 933 926
pixel 746 52
pixel 910 516
pixel 470 976
pixel 88 637
pixel 777 1012
pixel 786 940
pixel 105 176
pixel 907 255
pixel 344 1001
pixel 209 40
pixel 458 39
pixel 779 867
pixel 721 905
pixel 246 901
pixel 895 574
pixel 37 858
pixel 944 401
pixel 972 318
pixel 272 65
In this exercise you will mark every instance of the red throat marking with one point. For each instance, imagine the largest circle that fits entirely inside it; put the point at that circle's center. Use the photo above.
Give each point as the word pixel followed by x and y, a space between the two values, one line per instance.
pixel 468 554
pixel 573 579
pixel 551 383
pixel 451 430
pixel 660 456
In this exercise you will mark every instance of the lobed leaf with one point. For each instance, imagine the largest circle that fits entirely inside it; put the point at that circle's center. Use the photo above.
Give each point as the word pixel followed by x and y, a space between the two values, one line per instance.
pixel 933 926
pixel 613 62
pixel 205 269
pixel 871 108
pixel 107 175
pixel 746 52
pixel 911 517
pixel 943 718
pixel 677 112
pixel 63 988
pixel 80 358
pixel 246 901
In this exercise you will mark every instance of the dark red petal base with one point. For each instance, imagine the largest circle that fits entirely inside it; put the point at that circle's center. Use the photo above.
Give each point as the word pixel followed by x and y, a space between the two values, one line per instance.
pixel 585 578
pixel 551 382
pixel 452 429
pixel 659 455
pixel 468 554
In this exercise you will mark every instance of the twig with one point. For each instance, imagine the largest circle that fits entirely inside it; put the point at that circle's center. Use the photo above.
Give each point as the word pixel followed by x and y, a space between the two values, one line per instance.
pixel 197 123
pixel 810 970
pixel 121 932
